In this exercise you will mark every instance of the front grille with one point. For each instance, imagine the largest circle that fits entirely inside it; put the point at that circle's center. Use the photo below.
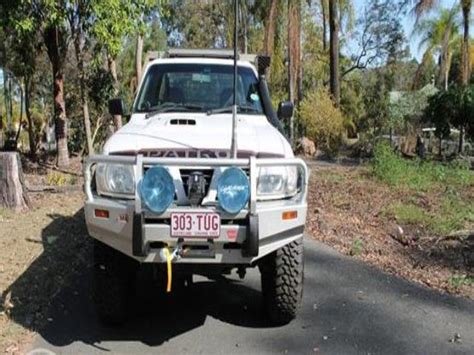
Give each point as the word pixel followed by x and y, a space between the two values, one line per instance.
pixel 207 173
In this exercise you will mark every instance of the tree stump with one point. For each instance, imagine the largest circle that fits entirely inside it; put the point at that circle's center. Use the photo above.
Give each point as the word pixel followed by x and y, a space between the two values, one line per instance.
pixel 13 192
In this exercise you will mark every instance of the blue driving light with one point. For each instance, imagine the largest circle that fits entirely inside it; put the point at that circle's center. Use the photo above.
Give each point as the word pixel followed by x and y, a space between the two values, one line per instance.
pixel 233 190
pixel 157 189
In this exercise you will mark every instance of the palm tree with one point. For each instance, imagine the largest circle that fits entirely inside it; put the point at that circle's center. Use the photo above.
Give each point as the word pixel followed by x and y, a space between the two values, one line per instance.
pixel 438 37
pixel 423 6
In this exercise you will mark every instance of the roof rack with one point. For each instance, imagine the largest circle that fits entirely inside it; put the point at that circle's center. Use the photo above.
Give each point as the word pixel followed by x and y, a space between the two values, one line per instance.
pixel 200 53
pixel 262 62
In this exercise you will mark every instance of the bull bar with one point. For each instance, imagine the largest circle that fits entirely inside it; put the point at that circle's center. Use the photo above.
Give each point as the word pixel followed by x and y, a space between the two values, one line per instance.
pixel 139 162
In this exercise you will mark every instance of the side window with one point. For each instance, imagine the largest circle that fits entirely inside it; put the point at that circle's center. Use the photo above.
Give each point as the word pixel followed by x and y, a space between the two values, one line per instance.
pixel 252 96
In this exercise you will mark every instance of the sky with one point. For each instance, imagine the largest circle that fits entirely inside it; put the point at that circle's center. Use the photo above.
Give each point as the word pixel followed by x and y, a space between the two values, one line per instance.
pixel 408 22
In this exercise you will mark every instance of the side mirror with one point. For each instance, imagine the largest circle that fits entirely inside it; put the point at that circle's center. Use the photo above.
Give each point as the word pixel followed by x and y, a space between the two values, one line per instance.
pixel 285 110
pixel 116 107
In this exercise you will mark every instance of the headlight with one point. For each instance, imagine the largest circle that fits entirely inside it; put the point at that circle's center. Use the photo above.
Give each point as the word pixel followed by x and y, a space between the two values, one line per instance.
pixel 115 179
pixel 277 182
pixel 233 190
pixel 157 189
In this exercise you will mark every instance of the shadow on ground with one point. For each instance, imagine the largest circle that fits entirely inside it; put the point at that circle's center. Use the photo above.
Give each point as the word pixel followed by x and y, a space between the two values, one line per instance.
pixel 348 307
pixel 53 296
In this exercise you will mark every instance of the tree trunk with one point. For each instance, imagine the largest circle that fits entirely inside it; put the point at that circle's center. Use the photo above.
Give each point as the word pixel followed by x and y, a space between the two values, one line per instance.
pixel 31 127
pixel 83 91
pixel 465 74
pixel 13 193
pixel 138 59
pixel 87 121
pixel 446 80
pixel 443 76
pixel 334 52
pixel 461 140
pixel 60 120
pixel 270 28
pixel 245 42
pixel 324 19
pixel 17 137
pixel 294 54
pixel 6 93
pixel 52 41
pixel 117 119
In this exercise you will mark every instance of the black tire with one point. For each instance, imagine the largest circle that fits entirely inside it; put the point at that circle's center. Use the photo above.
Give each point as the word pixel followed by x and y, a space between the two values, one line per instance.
pixel 113 284
pixel 282 282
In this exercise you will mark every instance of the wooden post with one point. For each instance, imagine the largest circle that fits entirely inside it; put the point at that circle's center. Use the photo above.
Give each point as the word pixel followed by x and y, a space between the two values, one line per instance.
pixel 13 193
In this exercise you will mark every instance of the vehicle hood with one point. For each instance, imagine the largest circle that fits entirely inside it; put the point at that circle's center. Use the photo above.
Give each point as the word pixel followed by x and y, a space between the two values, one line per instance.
pixel 197 135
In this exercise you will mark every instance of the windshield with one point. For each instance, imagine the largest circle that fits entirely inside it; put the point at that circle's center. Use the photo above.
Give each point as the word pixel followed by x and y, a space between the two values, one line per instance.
pixel 197 88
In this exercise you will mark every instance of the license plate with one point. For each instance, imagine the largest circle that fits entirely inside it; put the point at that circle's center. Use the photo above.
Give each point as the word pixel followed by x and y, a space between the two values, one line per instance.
pixel 195 224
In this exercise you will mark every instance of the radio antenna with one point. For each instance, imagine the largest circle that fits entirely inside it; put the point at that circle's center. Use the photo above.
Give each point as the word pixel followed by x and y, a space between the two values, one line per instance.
pixel 233 147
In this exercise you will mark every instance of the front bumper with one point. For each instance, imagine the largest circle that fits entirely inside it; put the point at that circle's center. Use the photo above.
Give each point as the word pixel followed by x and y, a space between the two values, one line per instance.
pixel 244 238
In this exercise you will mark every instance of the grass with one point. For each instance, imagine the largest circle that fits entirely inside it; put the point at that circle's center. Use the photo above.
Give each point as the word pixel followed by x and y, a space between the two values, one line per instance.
pixel 445 186
pixel 357 247
pixel 418 175
pixel 331 177
pixel 457 281
pixel 4 213
pixel 408 213
pixel 452 214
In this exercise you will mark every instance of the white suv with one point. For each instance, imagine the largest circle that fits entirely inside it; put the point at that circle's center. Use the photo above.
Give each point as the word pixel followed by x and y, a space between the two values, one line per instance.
pixel 166 192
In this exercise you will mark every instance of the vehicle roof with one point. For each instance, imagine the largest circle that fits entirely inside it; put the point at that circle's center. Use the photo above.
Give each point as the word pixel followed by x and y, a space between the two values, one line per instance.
pixel 199 60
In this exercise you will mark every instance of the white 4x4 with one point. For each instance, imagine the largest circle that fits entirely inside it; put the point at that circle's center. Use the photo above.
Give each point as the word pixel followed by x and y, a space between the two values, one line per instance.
pixel 167 192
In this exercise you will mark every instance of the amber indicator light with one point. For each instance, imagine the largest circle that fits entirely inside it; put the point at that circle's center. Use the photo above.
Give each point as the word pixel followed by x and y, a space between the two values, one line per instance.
pixel 289 215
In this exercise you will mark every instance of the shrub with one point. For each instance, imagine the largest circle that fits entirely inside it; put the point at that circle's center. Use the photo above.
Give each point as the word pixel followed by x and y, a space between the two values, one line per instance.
pixel 322 121
pixel 56 179
pixel 59 179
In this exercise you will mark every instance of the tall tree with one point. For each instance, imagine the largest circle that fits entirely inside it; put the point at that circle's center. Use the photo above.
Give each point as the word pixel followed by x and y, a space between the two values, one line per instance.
pixel 79 16
pixel 379 35
pixel 294 53
pixel 334 81
pixel 55 38
pixel 47 19
pixel 270 22
pixel 466 55
pixel 324 18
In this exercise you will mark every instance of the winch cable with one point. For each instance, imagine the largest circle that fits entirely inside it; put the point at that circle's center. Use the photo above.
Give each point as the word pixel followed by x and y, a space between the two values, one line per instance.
pixel 176 254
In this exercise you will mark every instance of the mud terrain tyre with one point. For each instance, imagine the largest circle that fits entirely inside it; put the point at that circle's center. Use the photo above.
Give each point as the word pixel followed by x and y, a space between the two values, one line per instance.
pixel 282 282
pixel 113 284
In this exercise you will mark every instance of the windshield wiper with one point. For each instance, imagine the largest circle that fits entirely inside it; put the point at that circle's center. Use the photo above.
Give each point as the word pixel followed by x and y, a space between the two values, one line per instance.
pixel 172 106
pixel 240 108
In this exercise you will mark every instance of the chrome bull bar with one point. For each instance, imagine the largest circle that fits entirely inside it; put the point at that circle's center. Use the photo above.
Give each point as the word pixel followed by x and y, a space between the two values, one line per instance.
pixel 252 163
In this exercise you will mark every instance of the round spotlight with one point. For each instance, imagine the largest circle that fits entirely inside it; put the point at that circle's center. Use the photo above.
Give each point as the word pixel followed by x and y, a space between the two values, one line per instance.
pixel 233 190
pixel 157 189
